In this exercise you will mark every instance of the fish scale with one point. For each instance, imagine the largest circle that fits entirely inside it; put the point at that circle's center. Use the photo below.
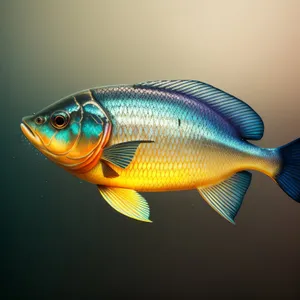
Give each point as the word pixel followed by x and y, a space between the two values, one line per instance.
pixel 179 157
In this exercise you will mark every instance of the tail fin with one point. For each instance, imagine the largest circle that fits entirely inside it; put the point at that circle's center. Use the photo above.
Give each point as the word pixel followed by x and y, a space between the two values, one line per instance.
pixel 288 177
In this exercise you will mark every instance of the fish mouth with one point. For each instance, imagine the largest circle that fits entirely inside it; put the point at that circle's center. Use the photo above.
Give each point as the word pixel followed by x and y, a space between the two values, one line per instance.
pixel 30 135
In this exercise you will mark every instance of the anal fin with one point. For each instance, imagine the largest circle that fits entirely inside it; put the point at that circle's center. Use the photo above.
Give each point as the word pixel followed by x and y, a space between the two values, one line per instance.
pixel 226 197
pixel 127 202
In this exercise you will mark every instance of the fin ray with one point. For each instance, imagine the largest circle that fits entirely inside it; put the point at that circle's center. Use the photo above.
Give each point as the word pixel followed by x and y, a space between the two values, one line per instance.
pixel 121 154
pixel 288 176
pixel 227 196
pixel 127 202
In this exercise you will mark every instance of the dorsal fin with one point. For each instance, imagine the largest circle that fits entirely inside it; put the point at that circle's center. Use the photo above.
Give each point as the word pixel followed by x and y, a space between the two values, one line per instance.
pixel 241 115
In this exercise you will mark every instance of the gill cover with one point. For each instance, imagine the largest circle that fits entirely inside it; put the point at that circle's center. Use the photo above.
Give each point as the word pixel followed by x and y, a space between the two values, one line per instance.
pixel 95 133
pixel 74 132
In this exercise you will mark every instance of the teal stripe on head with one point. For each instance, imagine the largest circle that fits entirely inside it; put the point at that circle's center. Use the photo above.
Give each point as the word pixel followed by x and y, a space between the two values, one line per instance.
pixel 90 128
pixel 47 130
pixel 75 128
pixel 92 109
pixel 94 112
pixel 63 136
pixel 72 108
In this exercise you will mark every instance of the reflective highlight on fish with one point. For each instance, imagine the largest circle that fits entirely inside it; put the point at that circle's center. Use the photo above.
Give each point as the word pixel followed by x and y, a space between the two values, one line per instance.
pixel 162 136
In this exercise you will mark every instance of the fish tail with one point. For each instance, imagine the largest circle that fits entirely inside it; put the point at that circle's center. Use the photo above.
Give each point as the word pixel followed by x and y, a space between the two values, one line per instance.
pixel 288 176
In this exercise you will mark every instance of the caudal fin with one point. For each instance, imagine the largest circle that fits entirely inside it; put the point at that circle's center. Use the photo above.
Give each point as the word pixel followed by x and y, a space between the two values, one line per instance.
pixel 288 177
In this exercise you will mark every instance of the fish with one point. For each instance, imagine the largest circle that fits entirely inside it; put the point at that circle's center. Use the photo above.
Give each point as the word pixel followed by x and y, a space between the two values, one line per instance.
pixel 164 135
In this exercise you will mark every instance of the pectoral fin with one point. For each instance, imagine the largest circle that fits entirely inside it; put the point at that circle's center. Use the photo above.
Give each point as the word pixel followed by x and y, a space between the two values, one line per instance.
pixel 127 202
pixel 227 197
pixel 121 154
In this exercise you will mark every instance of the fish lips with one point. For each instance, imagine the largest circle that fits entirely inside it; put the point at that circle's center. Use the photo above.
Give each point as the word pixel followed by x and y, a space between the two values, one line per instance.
pixel 30 135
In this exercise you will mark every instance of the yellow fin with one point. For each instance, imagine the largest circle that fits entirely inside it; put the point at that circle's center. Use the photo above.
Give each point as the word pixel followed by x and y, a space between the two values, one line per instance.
pixel 127 202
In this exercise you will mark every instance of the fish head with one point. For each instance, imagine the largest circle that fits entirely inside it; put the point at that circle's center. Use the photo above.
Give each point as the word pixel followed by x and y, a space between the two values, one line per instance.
pixel 71 132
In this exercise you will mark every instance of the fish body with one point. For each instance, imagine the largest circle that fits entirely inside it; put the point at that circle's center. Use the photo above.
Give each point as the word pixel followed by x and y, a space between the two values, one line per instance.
pixel 192 145
pixel 162 136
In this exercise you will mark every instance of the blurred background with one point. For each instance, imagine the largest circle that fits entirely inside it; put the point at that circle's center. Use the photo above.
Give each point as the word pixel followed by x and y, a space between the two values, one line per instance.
pixel 59 239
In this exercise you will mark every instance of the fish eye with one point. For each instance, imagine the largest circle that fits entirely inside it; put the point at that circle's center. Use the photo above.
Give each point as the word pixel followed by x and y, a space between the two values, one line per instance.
pixel 39 120
pixel 60 119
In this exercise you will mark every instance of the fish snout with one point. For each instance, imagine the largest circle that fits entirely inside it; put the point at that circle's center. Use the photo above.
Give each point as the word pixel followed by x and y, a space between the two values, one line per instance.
pixel 28 129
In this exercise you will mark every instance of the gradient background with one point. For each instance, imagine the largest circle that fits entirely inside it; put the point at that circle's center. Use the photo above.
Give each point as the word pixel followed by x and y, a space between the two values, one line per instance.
pixel 60 240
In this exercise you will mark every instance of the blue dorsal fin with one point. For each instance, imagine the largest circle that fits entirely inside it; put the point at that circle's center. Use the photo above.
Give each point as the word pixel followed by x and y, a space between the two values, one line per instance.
pixel 241 115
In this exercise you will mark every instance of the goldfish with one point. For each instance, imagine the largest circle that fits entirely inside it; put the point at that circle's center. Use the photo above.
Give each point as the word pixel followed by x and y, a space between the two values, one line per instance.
pixel 165 135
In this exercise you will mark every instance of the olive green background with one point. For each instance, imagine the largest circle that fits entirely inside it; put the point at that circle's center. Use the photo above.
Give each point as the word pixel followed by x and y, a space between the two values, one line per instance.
pixel 59 239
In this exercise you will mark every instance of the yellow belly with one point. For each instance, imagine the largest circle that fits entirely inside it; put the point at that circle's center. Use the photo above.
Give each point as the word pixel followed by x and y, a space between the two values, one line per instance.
pixel 156 168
